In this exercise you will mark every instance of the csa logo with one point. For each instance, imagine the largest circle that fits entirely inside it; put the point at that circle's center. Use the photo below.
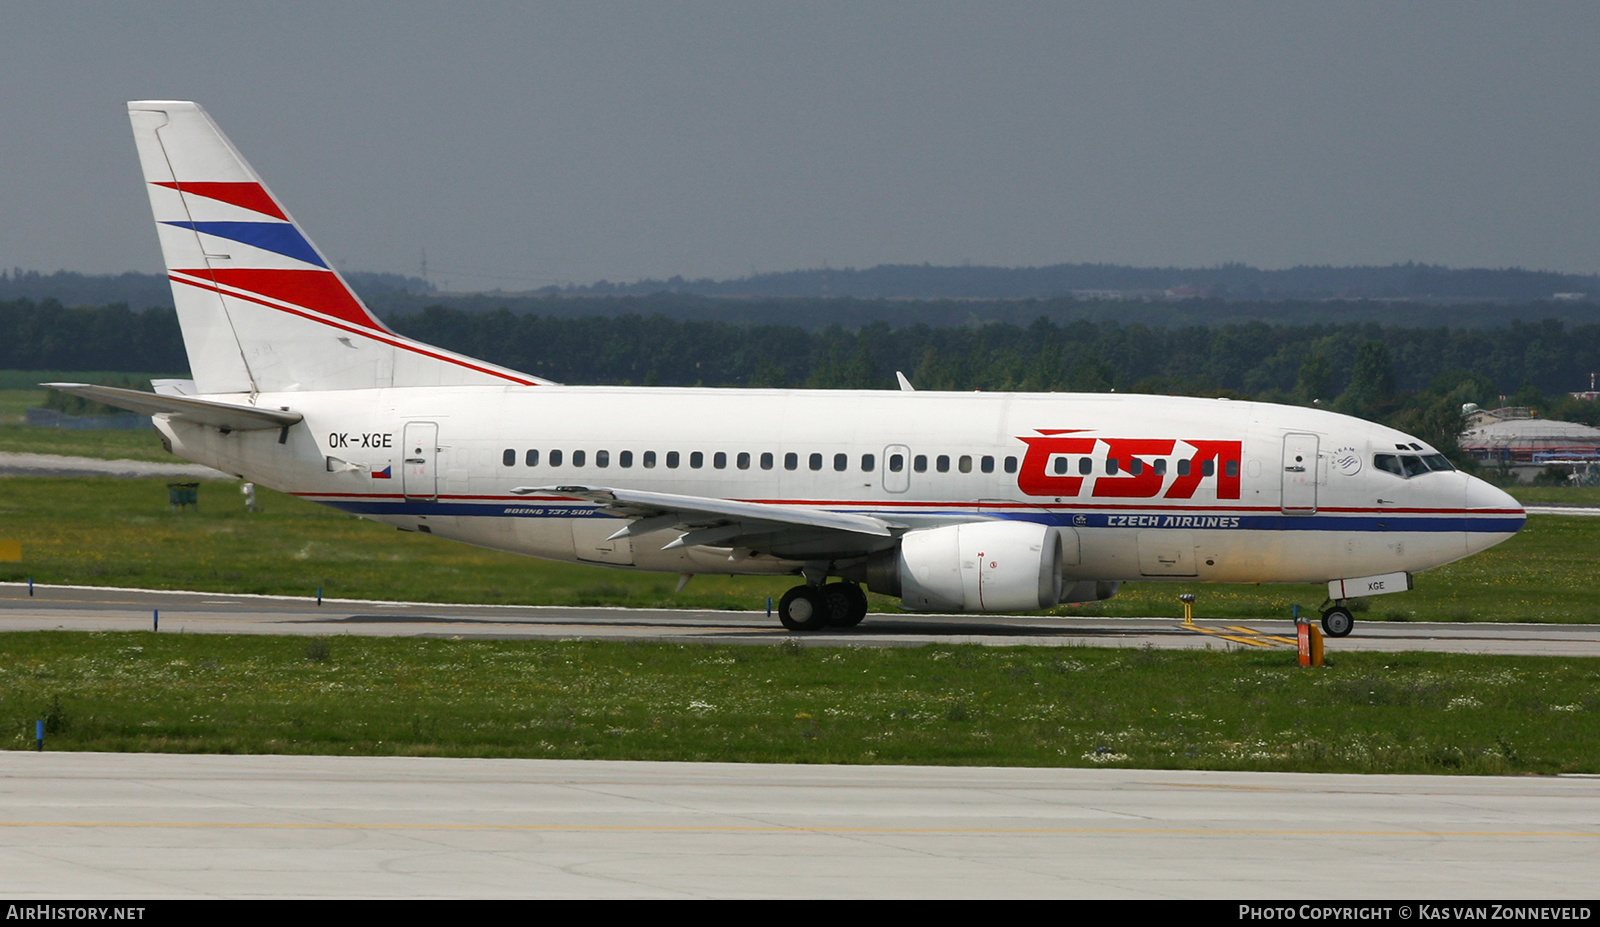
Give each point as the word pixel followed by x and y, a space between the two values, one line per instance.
pixel 1132 477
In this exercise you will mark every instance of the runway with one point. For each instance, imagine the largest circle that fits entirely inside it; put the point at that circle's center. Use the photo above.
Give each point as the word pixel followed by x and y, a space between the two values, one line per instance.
pixel 132 826
pixel 83 608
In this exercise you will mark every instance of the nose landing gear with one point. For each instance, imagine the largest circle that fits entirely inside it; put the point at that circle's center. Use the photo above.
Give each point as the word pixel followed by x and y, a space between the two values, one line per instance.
pixel 1337 621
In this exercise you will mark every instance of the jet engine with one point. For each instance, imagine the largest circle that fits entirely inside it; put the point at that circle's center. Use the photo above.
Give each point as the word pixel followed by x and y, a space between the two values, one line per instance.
pixel 987 566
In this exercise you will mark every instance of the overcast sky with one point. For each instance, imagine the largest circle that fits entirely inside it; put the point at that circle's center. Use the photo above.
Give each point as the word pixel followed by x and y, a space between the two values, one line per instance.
pixel 525 144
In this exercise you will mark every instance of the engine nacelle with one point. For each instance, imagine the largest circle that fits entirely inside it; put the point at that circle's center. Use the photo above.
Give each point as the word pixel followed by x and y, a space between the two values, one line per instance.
pixel 987 566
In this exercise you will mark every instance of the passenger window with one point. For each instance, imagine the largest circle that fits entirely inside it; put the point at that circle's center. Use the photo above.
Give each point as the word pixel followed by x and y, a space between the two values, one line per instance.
pixel 531 458
pixel 1011 464
pixel 964 463
pixel 509 458
pixel 919 463
pixel 1231 468
pixel 577 458
pixel 555 458
pixel 791 461
pixel 1161 467
pixel 766 461
pixel 743 460
pixel 841 462
pixel 719 460
pixel 649 459
pixel 1111 465
pixel 625 458
pixel 1136 466
pixel 602 458
pixel 897 462
pixel 1208 468
pixel 816 461
pixel 1085 466
pixel 868 463
pixel 697 459
pixel 942 463
pixel 672 460
pixel 1184 466
pixel 986 464
pixel 1061 465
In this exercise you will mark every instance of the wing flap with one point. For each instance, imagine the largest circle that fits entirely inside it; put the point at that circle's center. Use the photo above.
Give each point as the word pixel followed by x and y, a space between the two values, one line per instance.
pixel 705 521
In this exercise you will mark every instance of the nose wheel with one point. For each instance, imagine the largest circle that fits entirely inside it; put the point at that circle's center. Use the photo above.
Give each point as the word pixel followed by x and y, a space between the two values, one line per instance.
pixel 1337 621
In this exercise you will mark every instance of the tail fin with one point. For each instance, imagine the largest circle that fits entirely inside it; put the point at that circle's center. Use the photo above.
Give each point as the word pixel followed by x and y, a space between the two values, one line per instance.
pixel 260 307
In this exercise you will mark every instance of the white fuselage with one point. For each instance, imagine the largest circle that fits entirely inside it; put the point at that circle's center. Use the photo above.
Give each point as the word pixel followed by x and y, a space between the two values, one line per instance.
pixel 1142 487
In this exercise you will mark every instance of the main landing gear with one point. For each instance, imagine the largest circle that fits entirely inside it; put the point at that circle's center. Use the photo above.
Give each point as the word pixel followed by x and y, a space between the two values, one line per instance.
pixel 1337 621
pixel 814 607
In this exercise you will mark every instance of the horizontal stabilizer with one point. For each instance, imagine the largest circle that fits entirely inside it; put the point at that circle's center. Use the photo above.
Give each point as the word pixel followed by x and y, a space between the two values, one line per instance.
pixel 224 415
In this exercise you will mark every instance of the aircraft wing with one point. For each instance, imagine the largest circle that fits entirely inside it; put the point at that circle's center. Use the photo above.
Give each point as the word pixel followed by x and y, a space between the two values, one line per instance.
pixel 225 415
pixel 783 530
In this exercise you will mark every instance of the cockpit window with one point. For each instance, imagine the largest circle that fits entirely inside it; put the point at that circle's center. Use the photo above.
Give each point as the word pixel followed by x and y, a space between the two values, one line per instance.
pixel 1409 465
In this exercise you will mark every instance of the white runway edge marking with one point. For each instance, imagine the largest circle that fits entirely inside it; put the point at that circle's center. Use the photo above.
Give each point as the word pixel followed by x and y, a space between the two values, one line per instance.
pixel 822 829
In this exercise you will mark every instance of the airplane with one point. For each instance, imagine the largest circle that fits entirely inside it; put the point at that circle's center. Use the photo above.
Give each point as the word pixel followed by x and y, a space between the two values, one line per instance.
pixel 950 501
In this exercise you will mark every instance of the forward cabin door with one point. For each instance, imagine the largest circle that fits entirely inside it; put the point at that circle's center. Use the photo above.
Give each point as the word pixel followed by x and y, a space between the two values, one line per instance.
pixel 419 476
pixel 1299 474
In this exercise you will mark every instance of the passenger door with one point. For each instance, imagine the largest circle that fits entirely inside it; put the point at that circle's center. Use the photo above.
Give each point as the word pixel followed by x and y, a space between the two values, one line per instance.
pixel 1299 474
pixel 419 475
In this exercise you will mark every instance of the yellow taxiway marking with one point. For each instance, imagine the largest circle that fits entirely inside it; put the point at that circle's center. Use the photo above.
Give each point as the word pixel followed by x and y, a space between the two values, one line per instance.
pixel 1242 635
pixel 1265 636
pixel 782 829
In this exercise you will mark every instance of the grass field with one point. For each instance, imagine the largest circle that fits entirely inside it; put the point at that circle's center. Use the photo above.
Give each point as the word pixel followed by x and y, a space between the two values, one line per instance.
pixel 143 444
pixel 14 404
pixel 963 705
pixel 121 533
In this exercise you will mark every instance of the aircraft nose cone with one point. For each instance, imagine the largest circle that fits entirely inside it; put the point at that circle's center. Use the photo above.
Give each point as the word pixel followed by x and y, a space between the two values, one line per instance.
pixel 1492 515
pixel 1481 495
